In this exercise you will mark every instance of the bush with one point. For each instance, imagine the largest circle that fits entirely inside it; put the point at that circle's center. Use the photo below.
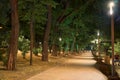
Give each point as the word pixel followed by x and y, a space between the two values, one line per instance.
pixel 36 51
pixel 23 45
pixel 117 48
pixel 3 56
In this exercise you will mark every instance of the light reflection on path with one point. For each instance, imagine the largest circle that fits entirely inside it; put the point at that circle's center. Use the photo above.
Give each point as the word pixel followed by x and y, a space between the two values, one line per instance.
pixel 86 59
pixel 77 68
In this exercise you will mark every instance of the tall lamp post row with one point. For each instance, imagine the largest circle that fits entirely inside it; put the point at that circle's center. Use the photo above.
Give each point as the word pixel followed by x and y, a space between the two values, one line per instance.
pixel 111 5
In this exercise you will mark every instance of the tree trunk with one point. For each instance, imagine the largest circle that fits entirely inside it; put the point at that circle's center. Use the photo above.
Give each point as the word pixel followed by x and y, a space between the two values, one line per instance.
pixel 31 40
pixel 59 20
pixel 73 45
pixel 54 48
pixel 46 35
pixel 13 48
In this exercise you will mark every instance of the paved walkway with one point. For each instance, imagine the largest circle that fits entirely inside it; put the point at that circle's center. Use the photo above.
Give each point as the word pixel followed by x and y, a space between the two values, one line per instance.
pixel 79 67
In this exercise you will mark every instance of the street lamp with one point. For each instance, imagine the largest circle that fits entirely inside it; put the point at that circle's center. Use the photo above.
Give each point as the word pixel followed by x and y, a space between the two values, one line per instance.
pixel 98 35
pixel 60 39
pixel 111 5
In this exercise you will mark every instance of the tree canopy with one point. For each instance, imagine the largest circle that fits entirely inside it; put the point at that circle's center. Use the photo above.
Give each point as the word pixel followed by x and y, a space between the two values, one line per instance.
pixel 74 21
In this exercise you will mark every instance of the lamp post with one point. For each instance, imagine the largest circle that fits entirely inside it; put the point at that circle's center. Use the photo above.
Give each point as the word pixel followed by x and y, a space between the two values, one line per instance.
pixel 98 35
pixel 111 5
pixel 60 39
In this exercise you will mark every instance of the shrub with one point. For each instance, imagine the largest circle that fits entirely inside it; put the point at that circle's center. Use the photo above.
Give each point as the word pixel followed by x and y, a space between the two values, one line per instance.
pixel 23 45
pixel 3 56
pixel 117 48
pixel 36 51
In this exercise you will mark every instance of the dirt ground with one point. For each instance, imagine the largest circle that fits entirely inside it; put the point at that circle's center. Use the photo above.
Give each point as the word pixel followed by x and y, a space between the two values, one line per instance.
pixel 24 70
pixel 58 67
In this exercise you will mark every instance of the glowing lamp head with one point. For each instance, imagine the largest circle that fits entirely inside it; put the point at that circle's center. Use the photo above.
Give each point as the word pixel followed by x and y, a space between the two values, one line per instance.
pixel 111 5
pixel 98 33
pixel 60 39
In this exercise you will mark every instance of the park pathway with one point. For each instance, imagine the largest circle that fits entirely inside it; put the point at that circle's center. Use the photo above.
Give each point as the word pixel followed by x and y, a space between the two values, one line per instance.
pixel 80 67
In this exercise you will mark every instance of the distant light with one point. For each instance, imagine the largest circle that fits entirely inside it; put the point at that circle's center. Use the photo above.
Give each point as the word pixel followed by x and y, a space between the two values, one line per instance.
pixel 111 5
pixel 98 33
pixel 0 27
pixel 40 43
pixel 95 41
pixel 60 39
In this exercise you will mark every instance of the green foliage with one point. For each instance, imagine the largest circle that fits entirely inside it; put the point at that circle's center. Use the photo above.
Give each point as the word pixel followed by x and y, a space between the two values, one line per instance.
pixel 77 23
pixel 32 8
pixel 23 45
pixel 4 23
pixel 36 51
pixel 37 11
pixel 105 48
pixel 4 7
pixel 3 55
pixel 4 39
pixel 117 48
pixel 49 2
pixel 80 19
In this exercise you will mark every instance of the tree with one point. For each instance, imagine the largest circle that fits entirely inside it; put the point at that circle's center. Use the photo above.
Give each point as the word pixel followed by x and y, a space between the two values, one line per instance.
pixel 46 35
pixel 73 19
pixel 50 4
pixel 117 48
pixel 32 13
pixel 23 45
pixel 4 21
pixel 13 48
pixel 31 39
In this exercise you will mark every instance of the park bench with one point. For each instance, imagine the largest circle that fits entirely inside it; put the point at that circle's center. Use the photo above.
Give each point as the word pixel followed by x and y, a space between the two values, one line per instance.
pixel 117 60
